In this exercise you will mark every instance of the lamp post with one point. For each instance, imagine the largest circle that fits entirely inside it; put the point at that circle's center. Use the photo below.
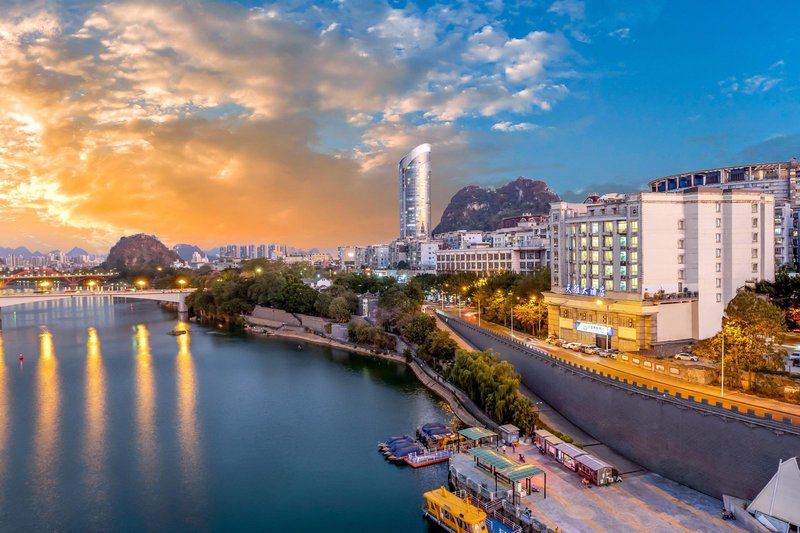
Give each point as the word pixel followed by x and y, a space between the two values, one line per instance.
pixel 722 378
pixel 511 299
pixel 92 284
pixel 182 283
pixel 140 283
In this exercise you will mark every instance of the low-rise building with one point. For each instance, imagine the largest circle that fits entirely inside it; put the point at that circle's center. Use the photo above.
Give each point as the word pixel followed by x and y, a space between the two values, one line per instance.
pixel 652 269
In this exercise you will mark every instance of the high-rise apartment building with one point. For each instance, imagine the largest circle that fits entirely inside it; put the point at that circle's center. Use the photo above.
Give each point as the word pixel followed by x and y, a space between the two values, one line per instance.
pixel 415 193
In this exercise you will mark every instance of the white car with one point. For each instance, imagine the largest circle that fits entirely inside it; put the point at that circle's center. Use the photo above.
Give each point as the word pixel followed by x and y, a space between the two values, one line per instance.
pixel 683 356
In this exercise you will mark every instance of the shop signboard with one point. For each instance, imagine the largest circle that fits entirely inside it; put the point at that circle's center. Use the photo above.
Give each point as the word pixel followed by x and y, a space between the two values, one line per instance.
pixel 597 329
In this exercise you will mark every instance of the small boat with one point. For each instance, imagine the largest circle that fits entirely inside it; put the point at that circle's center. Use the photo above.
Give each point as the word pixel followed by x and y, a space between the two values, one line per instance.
pixel 21 358
pixel 176 332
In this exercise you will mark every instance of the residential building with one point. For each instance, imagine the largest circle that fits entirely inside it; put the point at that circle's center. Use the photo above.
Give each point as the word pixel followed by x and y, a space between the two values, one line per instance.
pixel 651 269
pixel 414 172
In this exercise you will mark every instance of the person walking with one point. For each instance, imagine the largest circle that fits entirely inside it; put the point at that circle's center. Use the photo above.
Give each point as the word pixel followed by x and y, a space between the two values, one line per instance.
pixel 504 449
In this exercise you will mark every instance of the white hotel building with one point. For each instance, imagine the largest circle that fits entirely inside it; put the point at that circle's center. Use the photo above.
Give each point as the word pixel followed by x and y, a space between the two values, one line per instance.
pixel 645 270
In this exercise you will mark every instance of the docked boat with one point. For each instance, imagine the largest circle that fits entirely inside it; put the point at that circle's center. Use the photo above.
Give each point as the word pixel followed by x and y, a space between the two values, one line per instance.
pixel 453 513
pixel 418 460
pixel 435 434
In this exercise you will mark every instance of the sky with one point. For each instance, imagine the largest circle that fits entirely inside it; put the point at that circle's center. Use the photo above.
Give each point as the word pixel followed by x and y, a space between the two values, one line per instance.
pixel 211 122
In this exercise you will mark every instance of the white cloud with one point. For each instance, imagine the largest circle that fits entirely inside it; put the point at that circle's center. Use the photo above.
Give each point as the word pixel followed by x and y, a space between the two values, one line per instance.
pixel 574 9
pixel 621 33
pixel 511 127
pixel 760 83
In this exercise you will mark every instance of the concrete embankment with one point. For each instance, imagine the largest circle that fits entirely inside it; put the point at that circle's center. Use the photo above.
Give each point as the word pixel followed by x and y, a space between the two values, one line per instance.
pixel 710 449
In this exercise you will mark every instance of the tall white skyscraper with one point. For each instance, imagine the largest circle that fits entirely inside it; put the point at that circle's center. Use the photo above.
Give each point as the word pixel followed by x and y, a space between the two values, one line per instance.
pixel 415 193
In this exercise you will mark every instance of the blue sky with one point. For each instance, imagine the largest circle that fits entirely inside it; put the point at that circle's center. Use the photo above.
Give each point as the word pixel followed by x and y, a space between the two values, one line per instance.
pixel 208 121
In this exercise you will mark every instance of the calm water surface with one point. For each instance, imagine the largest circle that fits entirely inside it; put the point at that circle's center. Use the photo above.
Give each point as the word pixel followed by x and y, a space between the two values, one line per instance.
pixel 110 424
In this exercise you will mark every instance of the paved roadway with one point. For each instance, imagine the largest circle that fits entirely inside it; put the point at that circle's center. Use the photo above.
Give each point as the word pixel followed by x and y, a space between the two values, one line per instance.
pixel 655 381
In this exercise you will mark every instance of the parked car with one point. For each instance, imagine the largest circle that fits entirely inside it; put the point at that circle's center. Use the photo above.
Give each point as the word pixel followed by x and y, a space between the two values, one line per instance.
pixel 551 340
pixel 604 353
pixel 615 353
pixel 560 342
pixel 683 356
pixel 590 349
pixel 571 345
pixel 577 346
pixel 795 358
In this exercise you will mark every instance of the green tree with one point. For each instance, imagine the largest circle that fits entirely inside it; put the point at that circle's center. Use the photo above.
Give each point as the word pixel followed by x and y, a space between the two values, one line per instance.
pixel 339 310
pixel 439 346
pixel 418 329
pixel 752 332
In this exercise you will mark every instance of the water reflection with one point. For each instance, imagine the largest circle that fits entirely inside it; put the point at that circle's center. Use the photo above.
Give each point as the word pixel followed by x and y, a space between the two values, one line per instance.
pixel 187 410
pixel 94 446
pixel 4 409
pixel 145 405
pixel 47 431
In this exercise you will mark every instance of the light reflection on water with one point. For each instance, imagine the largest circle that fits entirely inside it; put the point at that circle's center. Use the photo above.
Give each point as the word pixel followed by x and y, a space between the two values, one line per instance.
pixel 95 436
pixel 188 439
pixel 46 438
pixel 4 410
pixel 145 406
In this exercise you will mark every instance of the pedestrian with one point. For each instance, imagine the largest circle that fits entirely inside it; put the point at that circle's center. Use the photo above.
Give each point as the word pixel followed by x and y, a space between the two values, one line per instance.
pixel 504 449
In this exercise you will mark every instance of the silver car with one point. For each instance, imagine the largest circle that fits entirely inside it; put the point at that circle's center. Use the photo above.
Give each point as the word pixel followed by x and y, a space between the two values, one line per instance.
pixel 683 356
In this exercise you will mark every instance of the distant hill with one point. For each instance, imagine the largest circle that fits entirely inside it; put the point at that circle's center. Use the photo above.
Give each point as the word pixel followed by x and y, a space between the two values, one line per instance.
pixel 77 252
pixel 185 251
pixel 139 253
pixel 19 250
pixel 479 208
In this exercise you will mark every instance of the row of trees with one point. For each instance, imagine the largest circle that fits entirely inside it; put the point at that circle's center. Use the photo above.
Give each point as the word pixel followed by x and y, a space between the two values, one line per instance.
pixel 363 333
pixel 494 386
pixel 226 295
pixel 500 298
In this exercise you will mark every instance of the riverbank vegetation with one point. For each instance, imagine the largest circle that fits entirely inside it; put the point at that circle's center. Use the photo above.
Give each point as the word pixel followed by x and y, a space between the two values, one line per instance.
pixel 494 386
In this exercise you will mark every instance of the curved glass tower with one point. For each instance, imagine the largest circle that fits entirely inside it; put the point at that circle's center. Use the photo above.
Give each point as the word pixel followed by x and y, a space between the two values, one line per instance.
pixel 415 193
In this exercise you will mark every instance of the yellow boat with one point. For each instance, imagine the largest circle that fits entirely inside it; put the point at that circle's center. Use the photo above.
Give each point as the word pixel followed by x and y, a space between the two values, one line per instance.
pixel 452 513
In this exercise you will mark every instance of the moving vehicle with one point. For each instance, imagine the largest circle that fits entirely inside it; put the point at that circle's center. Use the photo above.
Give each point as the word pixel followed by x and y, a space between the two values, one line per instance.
pixel 683 356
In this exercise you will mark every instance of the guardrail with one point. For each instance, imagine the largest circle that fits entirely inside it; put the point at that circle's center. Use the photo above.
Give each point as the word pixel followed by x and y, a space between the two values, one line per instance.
pixel 664 395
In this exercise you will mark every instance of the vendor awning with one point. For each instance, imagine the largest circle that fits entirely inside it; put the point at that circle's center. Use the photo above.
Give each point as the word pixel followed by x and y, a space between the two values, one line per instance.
pixel 509 428
pixel 476 433
pixel 520 472
pixel 491 457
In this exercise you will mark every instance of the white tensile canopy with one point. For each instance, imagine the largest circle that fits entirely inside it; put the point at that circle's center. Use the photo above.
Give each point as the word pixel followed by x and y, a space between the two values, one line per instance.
pixel 781 496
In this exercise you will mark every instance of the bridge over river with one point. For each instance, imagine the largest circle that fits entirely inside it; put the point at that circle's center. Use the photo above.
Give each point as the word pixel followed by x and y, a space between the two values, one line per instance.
pixel 177 296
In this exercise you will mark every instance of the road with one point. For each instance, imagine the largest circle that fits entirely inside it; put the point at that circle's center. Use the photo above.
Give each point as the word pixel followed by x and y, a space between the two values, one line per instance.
pixel 658 382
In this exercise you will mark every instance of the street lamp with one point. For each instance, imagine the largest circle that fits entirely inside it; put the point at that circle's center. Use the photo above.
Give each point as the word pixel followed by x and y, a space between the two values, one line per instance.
pixel 259 270
pixel 722 378
pixel 140 283
pixel 182 282
pixel 92 284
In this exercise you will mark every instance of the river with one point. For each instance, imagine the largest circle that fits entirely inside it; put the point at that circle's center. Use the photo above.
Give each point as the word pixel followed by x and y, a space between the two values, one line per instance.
pixel 111 424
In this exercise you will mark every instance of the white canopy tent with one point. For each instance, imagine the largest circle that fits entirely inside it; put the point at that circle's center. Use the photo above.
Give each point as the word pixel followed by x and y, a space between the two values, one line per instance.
pixel 780 498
